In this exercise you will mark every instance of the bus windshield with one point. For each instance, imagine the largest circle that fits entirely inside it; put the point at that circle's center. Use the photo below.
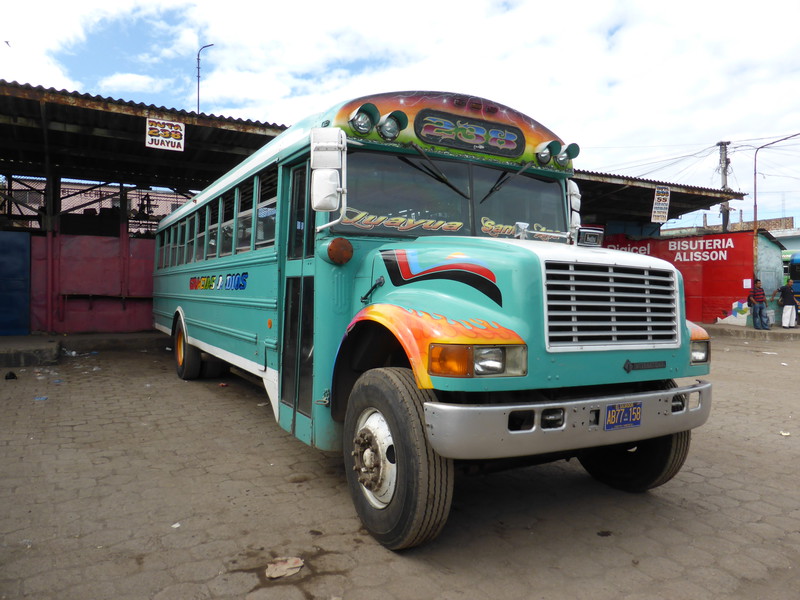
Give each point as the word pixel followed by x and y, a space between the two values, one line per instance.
pixel 411 196
pixel 794 267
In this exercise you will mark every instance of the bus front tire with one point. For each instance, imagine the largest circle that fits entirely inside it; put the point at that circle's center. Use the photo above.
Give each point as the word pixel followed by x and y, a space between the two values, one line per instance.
pixel 187 357
pixel 638 466
pixel 401 489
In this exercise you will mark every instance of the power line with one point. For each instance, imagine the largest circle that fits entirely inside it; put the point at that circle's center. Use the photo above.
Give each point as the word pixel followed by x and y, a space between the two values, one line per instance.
pixel 662 163
pixel 737 146
pixel 692 166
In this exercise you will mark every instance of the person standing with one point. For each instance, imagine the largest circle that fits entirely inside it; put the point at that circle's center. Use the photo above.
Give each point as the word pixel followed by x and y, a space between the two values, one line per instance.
pixel 759 308
pixel 789 303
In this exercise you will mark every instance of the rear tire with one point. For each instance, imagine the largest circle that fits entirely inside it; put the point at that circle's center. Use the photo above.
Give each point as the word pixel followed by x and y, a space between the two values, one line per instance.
pixel 401 489
pixel 187 357
pixel 638 466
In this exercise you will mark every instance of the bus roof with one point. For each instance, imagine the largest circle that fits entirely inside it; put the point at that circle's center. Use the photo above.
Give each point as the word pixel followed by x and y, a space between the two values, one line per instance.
pixel 443 123
pixel 452 123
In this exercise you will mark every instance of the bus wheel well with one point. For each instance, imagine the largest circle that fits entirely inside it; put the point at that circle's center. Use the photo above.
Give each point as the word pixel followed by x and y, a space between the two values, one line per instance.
pixel 175 319
pixel 368 345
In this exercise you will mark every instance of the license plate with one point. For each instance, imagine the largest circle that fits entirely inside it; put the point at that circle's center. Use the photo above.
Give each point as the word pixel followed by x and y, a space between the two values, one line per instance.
pixel 623 415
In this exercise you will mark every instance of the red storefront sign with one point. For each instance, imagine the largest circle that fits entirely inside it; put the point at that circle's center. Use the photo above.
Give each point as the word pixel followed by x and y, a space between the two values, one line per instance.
pixel 715 268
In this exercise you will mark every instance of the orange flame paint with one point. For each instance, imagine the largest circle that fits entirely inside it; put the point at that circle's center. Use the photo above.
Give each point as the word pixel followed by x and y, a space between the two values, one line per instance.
pixel 416 330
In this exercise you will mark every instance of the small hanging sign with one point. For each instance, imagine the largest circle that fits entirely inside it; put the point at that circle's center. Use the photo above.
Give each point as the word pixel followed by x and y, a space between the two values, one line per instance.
pixel 164 135
pixel 660 205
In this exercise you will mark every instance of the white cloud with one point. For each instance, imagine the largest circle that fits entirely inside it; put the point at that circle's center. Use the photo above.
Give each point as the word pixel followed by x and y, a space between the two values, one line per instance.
pixel 131 83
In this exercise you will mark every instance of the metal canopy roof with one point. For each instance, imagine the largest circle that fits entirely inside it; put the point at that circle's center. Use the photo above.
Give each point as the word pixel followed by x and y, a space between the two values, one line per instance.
pixel 76 136
pixel 45 132
pixel 607 198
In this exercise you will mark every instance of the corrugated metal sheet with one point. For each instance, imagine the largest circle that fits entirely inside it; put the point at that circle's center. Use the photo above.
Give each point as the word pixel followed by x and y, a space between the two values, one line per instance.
pixel 607 197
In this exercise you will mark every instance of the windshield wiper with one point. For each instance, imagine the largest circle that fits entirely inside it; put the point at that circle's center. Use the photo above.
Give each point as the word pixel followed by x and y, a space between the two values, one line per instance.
pixel 504 178
pixel 433 170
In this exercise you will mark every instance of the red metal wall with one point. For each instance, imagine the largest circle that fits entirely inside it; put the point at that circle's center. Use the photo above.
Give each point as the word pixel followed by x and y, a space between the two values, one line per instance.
pixel 96 284
pixel 714 268
pixel 105 284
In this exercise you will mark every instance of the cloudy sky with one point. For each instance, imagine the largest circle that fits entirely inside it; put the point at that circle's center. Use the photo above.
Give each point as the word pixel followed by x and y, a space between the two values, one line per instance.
pixel 646 88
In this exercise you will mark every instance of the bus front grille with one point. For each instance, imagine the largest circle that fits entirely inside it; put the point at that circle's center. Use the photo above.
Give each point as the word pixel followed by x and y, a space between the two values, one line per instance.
pixel 610 305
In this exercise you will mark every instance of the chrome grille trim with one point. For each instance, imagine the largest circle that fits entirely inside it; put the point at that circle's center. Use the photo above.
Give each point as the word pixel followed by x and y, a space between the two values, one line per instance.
pixel 606 305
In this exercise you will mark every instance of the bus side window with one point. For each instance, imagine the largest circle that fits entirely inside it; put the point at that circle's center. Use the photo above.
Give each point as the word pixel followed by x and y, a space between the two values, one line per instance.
pixel 226 229
pixel 173 234
pixel 213 228
pixel 267 207
pixel 190 235
pixel 244 222
pixel 168 248
pixel 793 269
pixel 200 241
pixel 265 232
pixel 162 250
pixel 180 247
pixel 301 235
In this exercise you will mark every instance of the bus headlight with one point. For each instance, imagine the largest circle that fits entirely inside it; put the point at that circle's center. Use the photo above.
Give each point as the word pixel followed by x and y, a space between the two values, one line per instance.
pixel 459 360
pixel 489 360
pixel 701 352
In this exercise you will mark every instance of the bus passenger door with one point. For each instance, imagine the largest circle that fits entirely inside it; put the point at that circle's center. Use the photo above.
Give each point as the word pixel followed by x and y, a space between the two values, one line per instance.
pixel 298 332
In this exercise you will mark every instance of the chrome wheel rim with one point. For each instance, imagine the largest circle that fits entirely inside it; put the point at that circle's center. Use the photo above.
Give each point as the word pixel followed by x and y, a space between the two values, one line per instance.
pixel 374 456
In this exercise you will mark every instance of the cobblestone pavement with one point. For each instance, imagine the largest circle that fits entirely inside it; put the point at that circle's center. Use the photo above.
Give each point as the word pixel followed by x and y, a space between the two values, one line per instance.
pixel 120 481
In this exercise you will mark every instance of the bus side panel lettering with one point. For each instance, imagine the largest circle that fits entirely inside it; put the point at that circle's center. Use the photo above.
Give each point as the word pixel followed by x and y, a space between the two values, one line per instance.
pixel 230 281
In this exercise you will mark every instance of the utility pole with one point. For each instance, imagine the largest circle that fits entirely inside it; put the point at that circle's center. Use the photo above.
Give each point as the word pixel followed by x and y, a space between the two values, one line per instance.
pixel 724 163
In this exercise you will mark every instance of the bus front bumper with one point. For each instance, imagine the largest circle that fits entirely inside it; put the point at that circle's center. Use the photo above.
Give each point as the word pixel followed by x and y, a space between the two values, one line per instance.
pixel 487 431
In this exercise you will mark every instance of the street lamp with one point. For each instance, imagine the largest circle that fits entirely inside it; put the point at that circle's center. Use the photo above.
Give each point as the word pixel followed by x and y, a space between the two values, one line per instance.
pixel 755 197
pixel 198 75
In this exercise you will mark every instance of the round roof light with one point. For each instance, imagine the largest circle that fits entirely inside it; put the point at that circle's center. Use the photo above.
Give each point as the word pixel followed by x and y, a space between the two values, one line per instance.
pixel 543 156
pixel 361 122
pixel 546 150
pixel 389 128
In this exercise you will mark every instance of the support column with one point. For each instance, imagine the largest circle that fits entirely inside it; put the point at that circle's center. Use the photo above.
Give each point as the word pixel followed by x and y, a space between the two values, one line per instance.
pixel 124 244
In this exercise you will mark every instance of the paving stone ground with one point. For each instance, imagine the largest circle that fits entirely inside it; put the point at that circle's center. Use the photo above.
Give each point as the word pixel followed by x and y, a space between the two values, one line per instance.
pixel 121 481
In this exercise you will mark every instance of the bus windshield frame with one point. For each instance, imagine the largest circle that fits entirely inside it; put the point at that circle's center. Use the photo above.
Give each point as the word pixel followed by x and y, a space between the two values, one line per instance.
pixel 408 195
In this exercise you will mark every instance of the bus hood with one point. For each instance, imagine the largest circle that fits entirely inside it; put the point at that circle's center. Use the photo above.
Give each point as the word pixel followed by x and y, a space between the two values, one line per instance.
pixel 495 276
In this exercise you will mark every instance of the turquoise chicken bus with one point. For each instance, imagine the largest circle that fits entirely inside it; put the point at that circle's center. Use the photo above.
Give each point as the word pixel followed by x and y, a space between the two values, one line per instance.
pixel 408 275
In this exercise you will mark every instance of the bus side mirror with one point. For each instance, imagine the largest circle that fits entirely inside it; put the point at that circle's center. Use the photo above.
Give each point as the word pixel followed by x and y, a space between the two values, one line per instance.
pixel 325 190
pixel 574 201
pixel 574 196
pixel 328 158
